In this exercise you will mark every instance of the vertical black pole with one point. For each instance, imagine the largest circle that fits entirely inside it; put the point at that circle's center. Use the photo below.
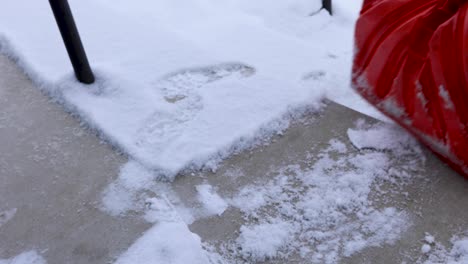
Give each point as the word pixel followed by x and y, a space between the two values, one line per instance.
pixel 327 5
pixel 71 38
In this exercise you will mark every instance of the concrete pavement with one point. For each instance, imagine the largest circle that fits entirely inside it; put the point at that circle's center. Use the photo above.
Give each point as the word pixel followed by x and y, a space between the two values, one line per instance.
pixel 53 172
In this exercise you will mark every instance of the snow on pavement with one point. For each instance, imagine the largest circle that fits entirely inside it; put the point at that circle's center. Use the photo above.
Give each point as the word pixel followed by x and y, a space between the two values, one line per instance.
pixel 166 242
pixel 319 208
pixel 325 213
pixel 28 257
pixel 182 84
pixel 214 204
pixel 434 252
pixel 264 241
pixel 380 137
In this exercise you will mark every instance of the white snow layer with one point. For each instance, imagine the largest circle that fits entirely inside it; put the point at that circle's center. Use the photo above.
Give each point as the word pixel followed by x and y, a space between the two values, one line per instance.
pixel 437 253
pixel 264 241
pixel 380 136
pixel 138 189
pixel 319 208
pixel 211 201
pixel 29 257
pixel 182 82
pixel 168 243
pixel 323 213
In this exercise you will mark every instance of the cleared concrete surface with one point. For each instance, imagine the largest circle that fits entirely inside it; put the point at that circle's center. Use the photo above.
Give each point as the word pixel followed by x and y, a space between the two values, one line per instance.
pixel 53 172
pixel 437 198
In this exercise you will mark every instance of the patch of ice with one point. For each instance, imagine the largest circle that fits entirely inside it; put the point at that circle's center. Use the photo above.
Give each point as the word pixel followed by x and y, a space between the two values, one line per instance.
pixel 211 201
pixel 29 257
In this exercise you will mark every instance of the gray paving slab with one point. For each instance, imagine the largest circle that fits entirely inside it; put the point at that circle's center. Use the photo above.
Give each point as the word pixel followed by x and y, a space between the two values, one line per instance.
pixel 52 171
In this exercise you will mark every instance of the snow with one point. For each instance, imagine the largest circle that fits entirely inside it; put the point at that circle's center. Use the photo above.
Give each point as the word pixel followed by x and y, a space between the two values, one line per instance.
pixel 263 241
pixel 28 257
pixel 425 248
pixel 458 254
pixel 169 240
pixel 460 250
pixel 211 201
pixel 160 209
pixel 138 189
pixel 322 211
pixel 338 146
pixel 166 242
pixel 325 211
pixel 122 195
pixel 380 136
pixel 182 84
pixel 429 239
pixel 443 93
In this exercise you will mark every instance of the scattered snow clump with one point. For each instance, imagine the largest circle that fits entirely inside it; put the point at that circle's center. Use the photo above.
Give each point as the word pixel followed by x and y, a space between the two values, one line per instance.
pixel 425 248
pixel 211 201
pixel 262 241
pixel 166 242
pixel 439 254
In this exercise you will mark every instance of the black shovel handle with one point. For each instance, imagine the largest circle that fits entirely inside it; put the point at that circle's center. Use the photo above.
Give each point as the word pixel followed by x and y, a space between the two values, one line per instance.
pixel 71 38
pixel 327 5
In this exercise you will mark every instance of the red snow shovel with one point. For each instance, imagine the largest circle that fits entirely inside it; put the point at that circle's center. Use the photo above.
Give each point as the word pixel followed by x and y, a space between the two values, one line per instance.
pixel 411 62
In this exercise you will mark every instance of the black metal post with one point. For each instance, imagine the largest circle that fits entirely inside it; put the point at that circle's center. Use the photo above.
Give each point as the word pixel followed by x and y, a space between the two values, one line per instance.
pixel 327 5
pixel 71 38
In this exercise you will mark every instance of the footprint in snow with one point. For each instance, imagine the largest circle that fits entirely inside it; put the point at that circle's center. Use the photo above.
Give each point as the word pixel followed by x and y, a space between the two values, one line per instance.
pixel 182 91
pixel 183 84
